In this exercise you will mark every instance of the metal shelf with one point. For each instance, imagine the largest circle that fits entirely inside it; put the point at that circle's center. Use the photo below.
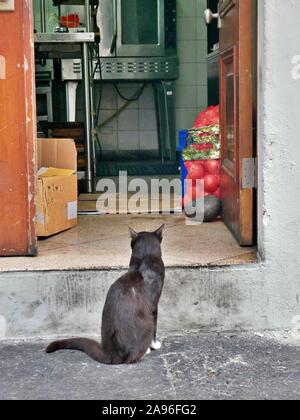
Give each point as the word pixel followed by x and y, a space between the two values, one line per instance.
pixel 62 45
pixel 55 45
pixel 69 2
pixel 64 38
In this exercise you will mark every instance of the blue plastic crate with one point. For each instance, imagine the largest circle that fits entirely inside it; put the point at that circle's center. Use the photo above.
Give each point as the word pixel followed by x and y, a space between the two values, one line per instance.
pixel 182 145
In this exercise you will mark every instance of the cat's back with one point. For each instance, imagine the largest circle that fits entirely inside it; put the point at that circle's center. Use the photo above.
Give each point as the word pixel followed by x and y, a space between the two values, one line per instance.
pixel 125 288
pixel 130 279
pixel 126 300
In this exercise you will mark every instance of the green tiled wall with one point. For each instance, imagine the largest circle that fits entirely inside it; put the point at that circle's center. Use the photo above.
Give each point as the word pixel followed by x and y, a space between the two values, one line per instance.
pixel 191 88
pixel 50 10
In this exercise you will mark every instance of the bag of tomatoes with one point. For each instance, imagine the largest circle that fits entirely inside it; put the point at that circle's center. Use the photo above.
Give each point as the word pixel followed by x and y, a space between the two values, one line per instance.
pixel 203 143
pixel 202 155
pixel 208 117
pixel 206 170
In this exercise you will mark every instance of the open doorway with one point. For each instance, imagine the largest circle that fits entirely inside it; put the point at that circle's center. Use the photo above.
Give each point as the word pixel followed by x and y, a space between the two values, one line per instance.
pixel 133 113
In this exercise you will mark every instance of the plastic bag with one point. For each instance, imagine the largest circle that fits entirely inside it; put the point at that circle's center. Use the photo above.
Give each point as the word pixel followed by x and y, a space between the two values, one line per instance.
pixel 208 117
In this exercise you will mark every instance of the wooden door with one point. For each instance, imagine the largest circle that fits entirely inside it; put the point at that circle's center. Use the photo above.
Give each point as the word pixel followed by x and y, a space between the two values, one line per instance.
pixel 17 131
pixel 237 97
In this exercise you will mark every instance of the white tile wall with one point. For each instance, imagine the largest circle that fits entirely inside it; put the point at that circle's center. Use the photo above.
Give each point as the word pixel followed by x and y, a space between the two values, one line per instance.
pixel 128 140
pixel 147 119
pixel 128 120
pixel 191 88
pixel 148 140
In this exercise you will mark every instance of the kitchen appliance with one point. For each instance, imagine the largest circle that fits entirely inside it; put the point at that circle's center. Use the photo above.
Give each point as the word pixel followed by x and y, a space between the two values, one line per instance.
pixel 137 28
pixel 138 41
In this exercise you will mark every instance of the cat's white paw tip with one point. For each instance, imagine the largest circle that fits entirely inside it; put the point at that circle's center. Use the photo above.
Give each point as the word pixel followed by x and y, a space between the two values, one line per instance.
pixel 148 352
pixel 156 345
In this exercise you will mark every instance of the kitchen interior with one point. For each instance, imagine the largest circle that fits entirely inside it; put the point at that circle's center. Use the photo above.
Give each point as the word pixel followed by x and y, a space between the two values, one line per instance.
pixel 123 78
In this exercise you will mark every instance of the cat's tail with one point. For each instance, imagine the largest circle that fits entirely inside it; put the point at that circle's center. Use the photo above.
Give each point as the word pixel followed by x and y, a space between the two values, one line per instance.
pixel 90 347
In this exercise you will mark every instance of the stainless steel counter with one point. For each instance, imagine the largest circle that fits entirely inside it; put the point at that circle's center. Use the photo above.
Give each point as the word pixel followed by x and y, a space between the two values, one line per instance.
pixel 64 38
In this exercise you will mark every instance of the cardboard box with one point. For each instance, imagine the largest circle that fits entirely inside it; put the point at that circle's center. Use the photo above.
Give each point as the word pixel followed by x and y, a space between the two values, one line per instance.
pixel 57 186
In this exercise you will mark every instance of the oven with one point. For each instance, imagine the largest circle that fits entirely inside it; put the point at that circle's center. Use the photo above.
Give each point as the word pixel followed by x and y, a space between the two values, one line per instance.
pixel 137 28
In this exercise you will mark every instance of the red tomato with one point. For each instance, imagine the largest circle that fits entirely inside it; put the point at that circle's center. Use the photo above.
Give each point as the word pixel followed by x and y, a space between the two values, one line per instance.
pixel 195 169
pixel 212 167
pixel 217 193
pixel 211 183
pixel 207 146
pixel 203 147
pixel 192 180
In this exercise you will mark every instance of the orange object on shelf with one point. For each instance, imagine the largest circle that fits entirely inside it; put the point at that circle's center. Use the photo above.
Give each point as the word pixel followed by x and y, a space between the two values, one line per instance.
pixel 70 21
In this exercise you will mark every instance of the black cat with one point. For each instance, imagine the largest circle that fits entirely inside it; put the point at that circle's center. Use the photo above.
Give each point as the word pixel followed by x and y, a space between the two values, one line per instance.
pixel 129 319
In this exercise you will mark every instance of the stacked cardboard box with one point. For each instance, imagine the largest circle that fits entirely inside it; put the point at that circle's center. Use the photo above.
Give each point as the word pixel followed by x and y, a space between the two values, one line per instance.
pixel 57 186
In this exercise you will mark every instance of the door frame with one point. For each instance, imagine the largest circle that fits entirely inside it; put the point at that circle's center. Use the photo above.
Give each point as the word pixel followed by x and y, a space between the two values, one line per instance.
pixel 18 83
pixel 234 174
pixel 31 137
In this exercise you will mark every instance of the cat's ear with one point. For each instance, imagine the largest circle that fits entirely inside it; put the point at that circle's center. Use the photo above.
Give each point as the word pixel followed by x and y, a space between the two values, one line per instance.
pixel 159 232
pixel 133 234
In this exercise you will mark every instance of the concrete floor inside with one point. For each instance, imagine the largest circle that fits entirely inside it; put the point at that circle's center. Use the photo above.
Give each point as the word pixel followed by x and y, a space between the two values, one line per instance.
pixel 102 242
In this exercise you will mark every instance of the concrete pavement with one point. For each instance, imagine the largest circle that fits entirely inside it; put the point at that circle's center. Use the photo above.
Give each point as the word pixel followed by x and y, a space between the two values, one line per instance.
pixel 191 365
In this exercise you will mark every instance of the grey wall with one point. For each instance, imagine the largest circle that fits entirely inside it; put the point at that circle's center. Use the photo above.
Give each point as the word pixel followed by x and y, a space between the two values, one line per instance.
pixel 279 158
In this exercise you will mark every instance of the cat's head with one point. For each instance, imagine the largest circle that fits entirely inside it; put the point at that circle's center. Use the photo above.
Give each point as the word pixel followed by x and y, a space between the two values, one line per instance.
pixel 146 243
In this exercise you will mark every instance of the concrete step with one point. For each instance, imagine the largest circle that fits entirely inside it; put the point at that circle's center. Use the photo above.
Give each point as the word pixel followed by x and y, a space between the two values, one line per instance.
pixel 63 303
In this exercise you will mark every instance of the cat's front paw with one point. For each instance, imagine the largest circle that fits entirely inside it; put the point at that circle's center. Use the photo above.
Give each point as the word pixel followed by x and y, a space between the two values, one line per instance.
pixel 155 345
